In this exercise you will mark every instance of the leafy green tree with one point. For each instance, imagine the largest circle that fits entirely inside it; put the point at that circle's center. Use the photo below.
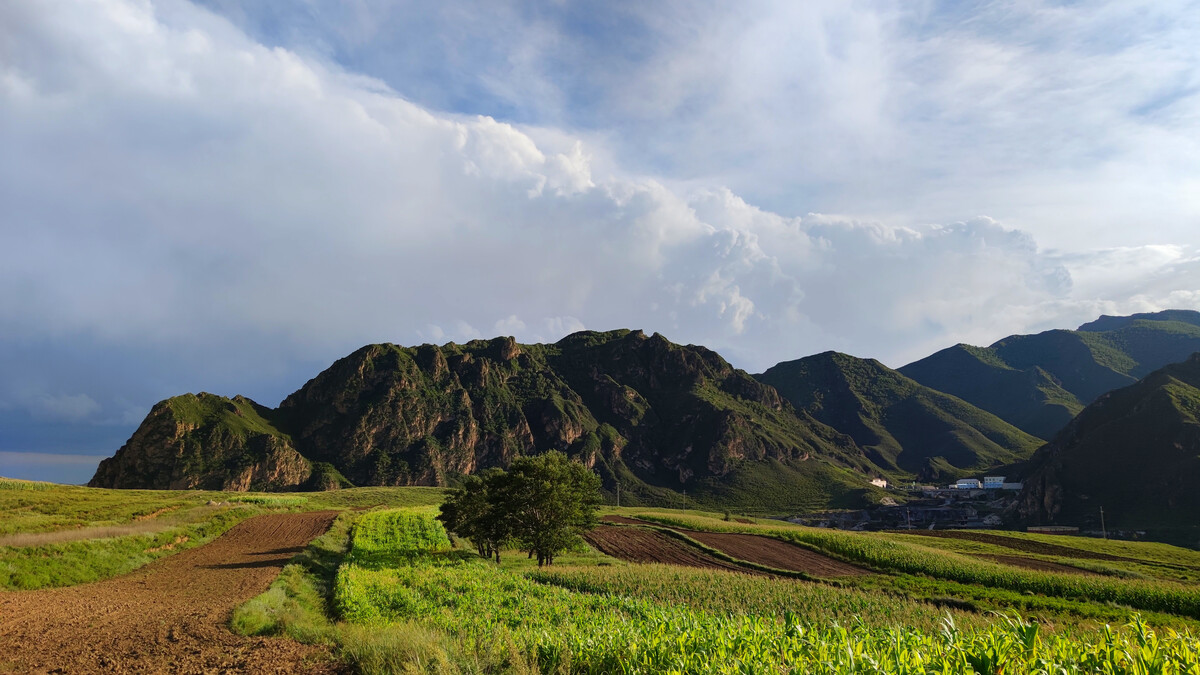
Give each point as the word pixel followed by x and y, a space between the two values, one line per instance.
pixel 476 510
pixel 553 500
pixel 542 503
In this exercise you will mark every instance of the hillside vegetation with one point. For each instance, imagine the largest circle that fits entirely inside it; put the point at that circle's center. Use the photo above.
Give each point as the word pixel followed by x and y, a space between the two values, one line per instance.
pixel 1038 383
pixel 1134 453
pixel 905 428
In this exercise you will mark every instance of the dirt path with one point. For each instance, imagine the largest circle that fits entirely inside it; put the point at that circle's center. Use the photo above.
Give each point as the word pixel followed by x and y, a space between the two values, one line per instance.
pixel 170 616
pixel 640 545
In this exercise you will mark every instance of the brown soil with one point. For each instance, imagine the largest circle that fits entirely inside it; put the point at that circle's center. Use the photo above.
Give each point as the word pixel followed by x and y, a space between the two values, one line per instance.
pixel 640 545
pixel 1026 545
pixel 1032 563
pixel 774 553
pixel 170 616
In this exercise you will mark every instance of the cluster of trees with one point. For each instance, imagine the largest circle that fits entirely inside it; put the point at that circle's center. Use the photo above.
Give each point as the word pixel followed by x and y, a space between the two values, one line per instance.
pixel 540 505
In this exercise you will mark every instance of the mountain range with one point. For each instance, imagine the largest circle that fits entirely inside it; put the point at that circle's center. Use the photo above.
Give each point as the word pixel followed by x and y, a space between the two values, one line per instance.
pixel 678 425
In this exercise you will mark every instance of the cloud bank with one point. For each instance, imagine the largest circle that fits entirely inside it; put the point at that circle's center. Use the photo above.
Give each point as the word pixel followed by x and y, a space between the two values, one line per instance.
pixel 188 208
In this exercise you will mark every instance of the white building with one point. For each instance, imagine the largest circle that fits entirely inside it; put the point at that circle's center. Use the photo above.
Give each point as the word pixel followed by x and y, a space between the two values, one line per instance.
pixel 993 482
pixel 968 484
pixel 879 482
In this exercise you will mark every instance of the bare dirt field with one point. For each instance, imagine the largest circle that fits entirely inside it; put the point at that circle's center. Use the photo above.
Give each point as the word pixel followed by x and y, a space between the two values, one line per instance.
pixel 170 616
pixel 640 545
pixel 774 553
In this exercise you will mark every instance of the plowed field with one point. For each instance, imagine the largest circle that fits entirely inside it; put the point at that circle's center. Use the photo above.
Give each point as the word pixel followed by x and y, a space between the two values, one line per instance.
pixel 640 545
pixel 774 553
pixel 170 616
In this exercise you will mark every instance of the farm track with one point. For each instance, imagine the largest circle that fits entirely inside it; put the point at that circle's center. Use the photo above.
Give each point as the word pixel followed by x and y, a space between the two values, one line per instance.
pixel 642 545
pixel 170 616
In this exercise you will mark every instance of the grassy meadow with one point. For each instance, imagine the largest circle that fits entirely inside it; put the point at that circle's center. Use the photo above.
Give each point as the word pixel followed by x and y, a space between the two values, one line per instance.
pixel 61 535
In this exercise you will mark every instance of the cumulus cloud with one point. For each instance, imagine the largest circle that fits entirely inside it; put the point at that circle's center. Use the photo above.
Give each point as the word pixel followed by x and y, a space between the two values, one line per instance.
pixel 189 207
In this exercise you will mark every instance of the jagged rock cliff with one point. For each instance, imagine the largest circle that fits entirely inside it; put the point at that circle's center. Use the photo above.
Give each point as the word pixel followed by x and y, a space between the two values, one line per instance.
pixel 208 442
pixel 671 416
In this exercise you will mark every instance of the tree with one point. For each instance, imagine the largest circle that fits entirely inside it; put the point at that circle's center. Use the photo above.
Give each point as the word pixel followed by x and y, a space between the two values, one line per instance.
pixel 542 503
pixel 554 500
pixel 475 510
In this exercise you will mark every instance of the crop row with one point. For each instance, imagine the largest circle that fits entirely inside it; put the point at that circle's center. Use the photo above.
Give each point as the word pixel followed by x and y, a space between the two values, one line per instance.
pixel 894 556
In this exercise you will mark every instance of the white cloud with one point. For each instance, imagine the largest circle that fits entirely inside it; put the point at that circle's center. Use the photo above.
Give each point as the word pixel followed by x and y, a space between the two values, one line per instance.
pixel 174 187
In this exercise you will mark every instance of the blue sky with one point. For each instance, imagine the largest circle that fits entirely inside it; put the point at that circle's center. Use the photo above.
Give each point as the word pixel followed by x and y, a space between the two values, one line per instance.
pixel 228 195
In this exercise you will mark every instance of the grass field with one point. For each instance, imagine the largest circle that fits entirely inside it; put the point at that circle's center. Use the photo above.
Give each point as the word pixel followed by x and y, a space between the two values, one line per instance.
pixel 60 535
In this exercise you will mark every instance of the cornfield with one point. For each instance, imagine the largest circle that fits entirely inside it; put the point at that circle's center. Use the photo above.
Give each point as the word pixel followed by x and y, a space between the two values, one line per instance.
pixel 586 631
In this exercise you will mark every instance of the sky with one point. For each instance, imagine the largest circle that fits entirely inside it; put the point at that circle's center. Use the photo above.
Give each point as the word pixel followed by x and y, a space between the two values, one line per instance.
pixel 228 195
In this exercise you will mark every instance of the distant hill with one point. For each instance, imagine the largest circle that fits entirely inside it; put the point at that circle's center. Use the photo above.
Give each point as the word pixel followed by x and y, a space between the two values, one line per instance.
pixel 1135 452
pixel 903 426
pixel 206 442
pixel 666 420
pixel 1038 383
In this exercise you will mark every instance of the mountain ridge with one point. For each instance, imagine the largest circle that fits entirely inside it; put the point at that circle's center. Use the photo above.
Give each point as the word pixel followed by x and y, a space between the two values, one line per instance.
pixel 912 430
pixel 1039 382
pixel 667 419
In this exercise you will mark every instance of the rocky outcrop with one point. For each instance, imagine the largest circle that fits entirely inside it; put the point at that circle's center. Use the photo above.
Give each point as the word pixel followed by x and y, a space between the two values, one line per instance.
pixel 205 442
pixel 620 401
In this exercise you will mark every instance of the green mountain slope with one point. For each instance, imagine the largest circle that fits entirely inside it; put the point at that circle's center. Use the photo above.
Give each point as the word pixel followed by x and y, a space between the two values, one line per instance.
pixel 674 424
pixel 1039 382
pixel 207 442
pixel 1135 452
pixel 906 428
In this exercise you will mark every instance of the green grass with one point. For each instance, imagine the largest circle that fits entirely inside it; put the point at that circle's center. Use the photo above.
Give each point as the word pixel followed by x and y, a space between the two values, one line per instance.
pixel 14 484
pixel 76 562
pixel 82 534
